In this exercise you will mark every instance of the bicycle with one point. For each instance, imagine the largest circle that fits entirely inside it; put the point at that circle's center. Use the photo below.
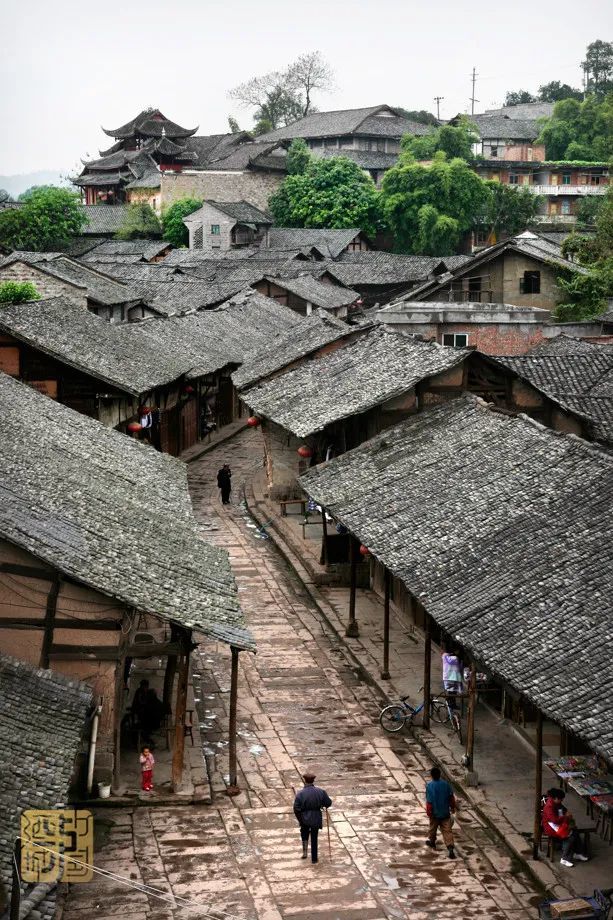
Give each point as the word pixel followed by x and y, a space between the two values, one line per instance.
pixel 395 716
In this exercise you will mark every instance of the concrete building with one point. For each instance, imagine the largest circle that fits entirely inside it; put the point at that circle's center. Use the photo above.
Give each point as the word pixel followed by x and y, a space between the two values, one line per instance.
pixel 219 226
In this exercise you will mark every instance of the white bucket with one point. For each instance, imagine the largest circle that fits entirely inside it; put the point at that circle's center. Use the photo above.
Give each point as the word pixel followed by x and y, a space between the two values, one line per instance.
pixel 104 791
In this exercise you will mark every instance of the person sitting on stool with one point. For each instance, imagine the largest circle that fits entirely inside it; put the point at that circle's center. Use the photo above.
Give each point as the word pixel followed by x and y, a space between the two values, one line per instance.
pixel 307 808
pixel 556 821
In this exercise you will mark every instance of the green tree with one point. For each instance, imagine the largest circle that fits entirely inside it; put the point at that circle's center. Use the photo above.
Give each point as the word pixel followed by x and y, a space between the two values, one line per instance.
pixel 48 220
pixel 509 208
pixel 333 193
pixel 580 130
pixel 298 157
pixel 587 295
pixel 421 116
pixel 454 141
pixel 233 125
pixel 17 292
pixel 555 91
pixel 598 67
pixel 140 223
pixel 430 207
pixel 520 97
pixel 174 230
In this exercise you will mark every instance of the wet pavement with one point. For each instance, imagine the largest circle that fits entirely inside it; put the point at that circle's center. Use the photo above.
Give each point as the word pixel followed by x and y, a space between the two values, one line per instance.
pixel 301 704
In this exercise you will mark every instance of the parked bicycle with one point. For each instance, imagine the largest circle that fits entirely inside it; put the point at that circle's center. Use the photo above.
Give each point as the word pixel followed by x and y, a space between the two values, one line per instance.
pixel 395 716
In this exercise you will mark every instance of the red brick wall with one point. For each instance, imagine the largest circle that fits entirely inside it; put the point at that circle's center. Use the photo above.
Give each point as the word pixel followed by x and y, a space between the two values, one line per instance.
pixel 497 339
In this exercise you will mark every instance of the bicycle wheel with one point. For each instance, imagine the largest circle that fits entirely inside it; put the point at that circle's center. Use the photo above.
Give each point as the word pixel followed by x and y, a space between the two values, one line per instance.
pixel 457 726
pixel 439 711
pixel 392 718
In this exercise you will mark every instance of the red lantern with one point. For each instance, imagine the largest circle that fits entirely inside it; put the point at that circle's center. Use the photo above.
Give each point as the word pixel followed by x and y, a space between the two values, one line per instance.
pixel 189 389
pixel 364 551
pixel 305 452
pixel 135 427
pixel 253 421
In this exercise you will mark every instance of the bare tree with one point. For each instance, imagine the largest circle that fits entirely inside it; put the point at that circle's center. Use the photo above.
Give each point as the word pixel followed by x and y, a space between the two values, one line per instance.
pixel 309 73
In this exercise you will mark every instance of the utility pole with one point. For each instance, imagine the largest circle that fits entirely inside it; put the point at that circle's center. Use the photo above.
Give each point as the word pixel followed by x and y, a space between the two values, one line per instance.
pixel 438 100
pixel 472 98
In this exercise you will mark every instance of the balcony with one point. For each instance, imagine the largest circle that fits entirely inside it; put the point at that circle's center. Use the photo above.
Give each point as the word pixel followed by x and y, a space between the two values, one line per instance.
pixel 552 190
pixel 566 219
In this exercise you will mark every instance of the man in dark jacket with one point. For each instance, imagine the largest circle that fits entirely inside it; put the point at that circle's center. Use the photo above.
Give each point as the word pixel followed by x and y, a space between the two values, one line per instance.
pixel 224 483
pixel 307 808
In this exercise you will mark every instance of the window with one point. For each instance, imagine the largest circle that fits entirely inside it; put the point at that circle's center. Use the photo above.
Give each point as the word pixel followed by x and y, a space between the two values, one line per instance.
pixel 455 339
pixel 566 178
pixel 493 151
pixel 530 153
pixel 530 283
pixel 215 231
pixel 514 179
pixel 565 208
pixel 594 180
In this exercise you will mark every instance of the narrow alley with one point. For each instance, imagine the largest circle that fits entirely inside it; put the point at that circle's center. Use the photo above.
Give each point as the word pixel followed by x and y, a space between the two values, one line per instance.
pixel 301 704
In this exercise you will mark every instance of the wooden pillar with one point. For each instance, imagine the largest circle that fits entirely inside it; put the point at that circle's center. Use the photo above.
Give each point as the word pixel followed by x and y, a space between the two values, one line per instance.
pixel 233 788
pixel 324 544
pixel 118 700
pixel 538 785
pixel 385 673
pixel 470 725
pixel 180 707
pixel 15 884
pixel 50 611
pixel 169 680
pixel 352 629
pixel 427 668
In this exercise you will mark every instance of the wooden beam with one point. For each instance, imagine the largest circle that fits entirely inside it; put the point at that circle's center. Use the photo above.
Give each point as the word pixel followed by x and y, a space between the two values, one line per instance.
pixel 427 668
pixel 470 725
pixel 27 571
pixel 180 708
pixel 118 698
pixel 324 544
pixel 385 673
pixel 39 623
pixel 49 620
pixel 352 629
pixel 233 787
pixel 15 884
pixel 538 785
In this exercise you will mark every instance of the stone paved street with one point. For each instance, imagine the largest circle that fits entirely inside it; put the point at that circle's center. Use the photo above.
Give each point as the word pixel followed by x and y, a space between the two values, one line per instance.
pixel 301 703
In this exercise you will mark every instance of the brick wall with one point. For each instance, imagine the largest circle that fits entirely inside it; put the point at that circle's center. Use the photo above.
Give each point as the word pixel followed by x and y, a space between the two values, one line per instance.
pixel 46 285
pixel 251 185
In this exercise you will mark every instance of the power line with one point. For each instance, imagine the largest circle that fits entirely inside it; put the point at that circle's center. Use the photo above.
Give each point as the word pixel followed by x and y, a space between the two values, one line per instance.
pixel 438 100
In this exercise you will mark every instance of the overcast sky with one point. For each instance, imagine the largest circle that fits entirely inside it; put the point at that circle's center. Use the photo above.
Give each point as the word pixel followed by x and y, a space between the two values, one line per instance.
pixel 67 67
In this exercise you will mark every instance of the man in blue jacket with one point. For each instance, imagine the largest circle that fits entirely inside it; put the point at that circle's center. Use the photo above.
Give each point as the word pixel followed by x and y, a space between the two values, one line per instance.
pixel 307 808
pixel 440 804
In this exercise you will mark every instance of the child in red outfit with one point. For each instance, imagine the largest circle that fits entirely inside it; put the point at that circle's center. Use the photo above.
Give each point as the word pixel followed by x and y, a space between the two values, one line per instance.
pixel 147 762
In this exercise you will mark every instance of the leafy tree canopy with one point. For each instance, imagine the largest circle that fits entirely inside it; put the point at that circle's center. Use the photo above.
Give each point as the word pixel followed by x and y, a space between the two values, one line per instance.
pixel 333 193
pixel 519 97
pixel 421 116
pixel 586 296
pixel 140 223
pixel 598 68
pixel 17 292
pixel 174 230
pixel 280 97
pixel 49 219
pixel 509 208
pixel 429 207
pixel 555 91
pixel 298 157
pixel 233 125
pixel 580 130
pixel 453 141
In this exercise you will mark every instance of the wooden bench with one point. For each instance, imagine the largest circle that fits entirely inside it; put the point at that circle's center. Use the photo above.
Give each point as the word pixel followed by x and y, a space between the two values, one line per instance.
pixel 304 524
pixel 292 501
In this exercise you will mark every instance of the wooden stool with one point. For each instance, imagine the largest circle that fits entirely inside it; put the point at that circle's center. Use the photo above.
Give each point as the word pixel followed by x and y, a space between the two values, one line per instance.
pixel 582 831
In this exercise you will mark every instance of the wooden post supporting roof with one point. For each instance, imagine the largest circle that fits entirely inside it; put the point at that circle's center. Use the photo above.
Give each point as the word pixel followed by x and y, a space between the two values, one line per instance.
pixel 470 725
pixel 180 708
pixel 324 543
pixel 49 627
pixel 427 667
pixel 538 785
pixel 233 788
pixel 385 673
pixel 352 629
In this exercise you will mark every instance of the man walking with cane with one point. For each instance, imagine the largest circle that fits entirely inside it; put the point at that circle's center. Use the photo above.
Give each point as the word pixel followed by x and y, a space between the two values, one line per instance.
pixel 307 808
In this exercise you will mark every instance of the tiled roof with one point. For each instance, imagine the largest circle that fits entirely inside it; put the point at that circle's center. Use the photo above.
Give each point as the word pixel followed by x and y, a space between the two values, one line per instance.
pixel 497 126
pixel 99 287
pixel 151 179
pixel 376 367
pixel 503 531
pixel 135 250
pixel 576 374
pixel 529 110
pixel 42 720
pixel 330 243
pixel 111 513
pixel 320 294
pixel 182 294
pixel 382 268
pixel 104 218
pixel 241 211
pixel 147 124
pixel 348 121
pixel 311 333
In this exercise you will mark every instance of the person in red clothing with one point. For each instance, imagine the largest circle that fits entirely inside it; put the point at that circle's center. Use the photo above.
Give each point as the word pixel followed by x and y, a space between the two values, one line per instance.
pixel 556 821
pixel 147 762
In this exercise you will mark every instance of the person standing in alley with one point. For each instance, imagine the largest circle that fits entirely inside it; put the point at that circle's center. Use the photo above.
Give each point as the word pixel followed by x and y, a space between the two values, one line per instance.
pixel 440 805
pixel 224 483
pixel 307 808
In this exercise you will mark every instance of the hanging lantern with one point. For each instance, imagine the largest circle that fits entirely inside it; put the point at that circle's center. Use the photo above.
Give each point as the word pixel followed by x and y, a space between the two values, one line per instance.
pixel 135 427
pixel 253 421
pixel 305 452
pixel 364 551
pixel 188 389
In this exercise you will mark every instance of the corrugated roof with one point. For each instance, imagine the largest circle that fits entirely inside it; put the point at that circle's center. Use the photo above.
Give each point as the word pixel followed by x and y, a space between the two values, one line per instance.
pixel 376 367
pixel 503 531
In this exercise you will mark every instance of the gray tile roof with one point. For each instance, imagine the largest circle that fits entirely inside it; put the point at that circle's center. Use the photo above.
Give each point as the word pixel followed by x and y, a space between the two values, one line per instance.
pixel 241 211
pixel 348 121
pixel 99 287
pixel 376 367
pixel 135 250
pixel 104 218
pixel 320 294
pixel 503 530
pixel 382 268
pixel 529 110
pixel 150 179
pixel 150 123
pixel 329 242
pixel 311 333
pixel 42 720
pixel 112 514
pixel 76 337
pixel 499 126
pixel 576 374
